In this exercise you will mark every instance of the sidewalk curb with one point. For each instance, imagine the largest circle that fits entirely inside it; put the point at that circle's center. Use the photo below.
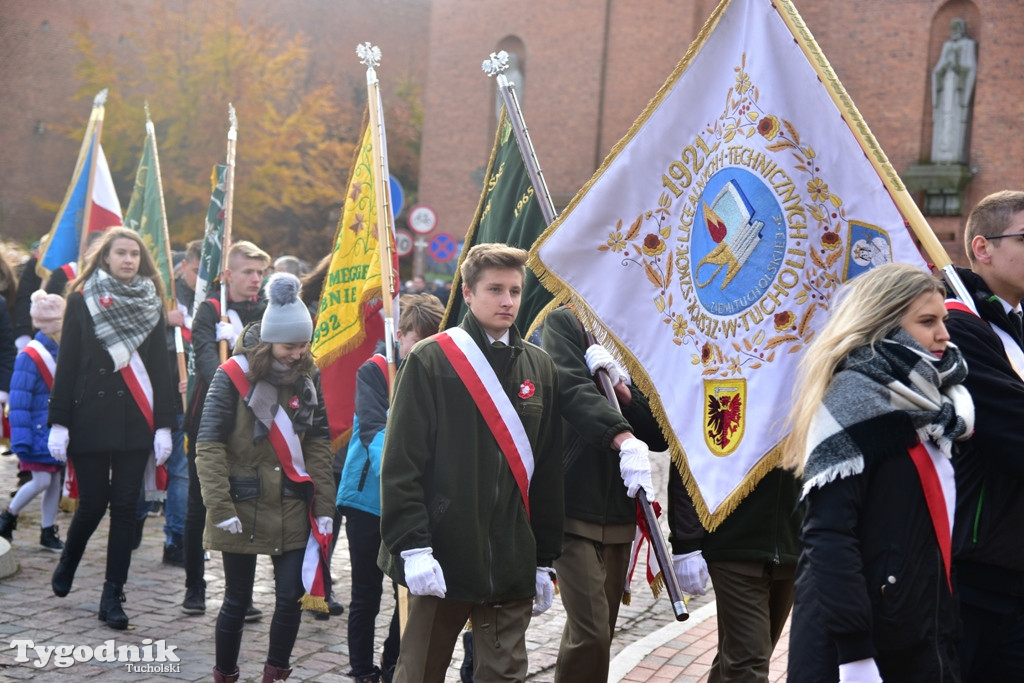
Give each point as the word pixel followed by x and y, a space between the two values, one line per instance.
pixel 631 656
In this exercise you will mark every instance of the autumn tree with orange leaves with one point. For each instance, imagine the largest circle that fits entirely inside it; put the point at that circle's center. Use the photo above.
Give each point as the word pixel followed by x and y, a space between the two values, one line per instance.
pixel 295 140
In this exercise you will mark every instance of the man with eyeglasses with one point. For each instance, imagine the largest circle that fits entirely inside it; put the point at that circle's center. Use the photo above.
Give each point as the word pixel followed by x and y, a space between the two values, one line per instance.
pixel 987 549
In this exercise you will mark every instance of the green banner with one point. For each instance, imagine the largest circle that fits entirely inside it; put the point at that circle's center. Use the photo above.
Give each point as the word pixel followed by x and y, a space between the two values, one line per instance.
pixel 508 212
pixel 145 213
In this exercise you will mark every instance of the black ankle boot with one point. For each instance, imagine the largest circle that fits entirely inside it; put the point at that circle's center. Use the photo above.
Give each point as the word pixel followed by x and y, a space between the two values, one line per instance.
pixel 8 523
pixel 110 606
pixel 49 538
pixel 64 574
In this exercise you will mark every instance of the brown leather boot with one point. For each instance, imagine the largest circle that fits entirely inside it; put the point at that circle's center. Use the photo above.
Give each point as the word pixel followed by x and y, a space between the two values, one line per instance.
pixel 219 677
pixel 273 673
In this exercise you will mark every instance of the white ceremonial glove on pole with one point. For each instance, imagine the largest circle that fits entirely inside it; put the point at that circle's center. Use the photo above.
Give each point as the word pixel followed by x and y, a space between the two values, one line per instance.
pixel 232 526
pixel 423 574
pixel 545 591
pixel 162 445
pixel 635 467
pixel 58 443
pixel 598 358
pixel 325 525
pixel 226 332
pixel 861 671
pixel 691 572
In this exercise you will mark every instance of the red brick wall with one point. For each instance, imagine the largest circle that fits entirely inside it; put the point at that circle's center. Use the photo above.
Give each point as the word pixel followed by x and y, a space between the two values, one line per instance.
pixel 37 61
pixel 883 52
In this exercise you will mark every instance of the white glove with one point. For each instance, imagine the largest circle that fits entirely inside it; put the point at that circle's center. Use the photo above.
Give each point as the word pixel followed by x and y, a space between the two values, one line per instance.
pixel 21 342
pixel 58 443
pixel 423 574
pixel 635 467
pixel 861 671
pixel 232 526
pixel 226 332
pixel 691 572
pixel 598 358
pixel 4 396
pixel 162 445
pixel 325 525
pixel 545 591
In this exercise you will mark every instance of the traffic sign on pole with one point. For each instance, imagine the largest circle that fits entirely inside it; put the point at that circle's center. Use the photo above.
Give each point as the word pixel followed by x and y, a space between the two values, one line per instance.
pixel 403 242
pixel 422 219
pixel 443 247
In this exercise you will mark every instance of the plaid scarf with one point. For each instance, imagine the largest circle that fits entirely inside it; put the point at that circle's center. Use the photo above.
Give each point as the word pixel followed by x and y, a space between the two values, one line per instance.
pixel 897 376
pixel 123 314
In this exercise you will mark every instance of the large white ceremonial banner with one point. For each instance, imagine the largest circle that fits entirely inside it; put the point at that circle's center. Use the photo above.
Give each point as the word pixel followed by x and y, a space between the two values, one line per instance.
pixel 708 246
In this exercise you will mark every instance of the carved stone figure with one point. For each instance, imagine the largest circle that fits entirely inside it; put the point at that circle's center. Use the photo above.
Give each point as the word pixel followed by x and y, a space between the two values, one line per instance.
pixel 952 87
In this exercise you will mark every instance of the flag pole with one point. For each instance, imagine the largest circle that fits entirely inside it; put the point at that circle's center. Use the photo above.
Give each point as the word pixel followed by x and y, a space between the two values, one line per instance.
pixel 172 300
pixel 872 150
pixel 496 66
pixel 369 55
pixel 83 152
pixel 229 198
pixel 98 110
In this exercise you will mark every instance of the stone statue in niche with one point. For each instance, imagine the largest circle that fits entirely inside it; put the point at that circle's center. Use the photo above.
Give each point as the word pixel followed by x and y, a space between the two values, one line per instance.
pixel 952 86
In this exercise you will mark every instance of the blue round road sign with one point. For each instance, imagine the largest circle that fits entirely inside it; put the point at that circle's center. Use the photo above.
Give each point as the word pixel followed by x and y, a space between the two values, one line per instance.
pixel 443 247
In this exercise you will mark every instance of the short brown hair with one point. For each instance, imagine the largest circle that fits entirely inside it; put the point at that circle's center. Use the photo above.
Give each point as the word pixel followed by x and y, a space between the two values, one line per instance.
pixel 421 314
pixel 194 250
pixel 247 250
pixel 991 216
pixel 491 255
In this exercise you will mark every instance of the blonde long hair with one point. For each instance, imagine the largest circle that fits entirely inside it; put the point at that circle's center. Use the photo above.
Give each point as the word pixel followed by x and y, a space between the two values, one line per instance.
pixel 147 268
pixel 869 307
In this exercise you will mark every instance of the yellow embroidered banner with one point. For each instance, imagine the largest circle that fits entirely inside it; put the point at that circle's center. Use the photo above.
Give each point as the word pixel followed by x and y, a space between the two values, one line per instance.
pixel 348 323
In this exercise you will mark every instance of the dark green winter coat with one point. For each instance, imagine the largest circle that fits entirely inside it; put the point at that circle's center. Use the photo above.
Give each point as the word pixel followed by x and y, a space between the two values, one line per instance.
pixel 594 492
pixel 446 485
pixel 243 479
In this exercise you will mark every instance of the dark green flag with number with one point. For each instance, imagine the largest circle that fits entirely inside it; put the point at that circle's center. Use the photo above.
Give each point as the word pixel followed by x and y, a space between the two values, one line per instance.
pixel 508 212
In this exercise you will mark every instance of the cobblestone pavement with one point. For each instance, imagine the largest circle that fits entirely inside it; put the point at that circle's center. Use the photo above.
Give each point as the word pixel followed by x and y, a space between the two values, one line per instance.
pixel 651 644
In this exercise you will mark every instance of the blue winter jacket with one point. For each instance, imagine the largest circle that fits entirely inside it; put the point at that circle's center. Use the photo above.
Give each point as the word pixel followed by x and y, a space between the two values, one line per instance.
pixel 30 407
pixel 360 478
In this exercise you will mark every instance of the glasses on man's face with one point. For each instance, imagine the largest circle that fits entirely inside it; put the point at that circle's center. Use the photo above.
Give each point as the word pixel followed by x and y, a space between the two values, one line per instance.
pixel 999 237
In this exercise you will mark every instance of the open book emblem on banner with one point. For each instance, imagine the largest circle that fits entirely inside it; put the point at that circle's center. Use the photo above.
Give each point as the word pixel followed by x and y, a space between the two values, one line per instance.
pixel 725 408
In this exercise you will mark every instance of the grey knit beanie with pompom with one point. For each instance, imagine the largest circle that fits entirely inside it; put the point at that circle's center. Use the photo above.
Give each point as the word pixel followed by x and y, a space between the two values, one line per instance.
pixel 286 320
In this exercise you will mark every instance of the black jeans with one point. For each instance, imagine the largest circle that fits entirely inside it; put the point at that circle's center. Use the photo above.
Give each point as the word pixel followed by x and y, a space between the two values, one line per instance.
pixel 239 574
pixel 195 521
pixel 363 532
pixel 107 480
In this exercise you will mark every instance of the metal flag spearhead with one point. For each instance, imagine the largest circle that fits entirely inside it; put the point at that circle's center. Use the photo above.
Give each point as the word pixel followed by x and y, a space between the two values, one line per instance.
pixel 497 64
pixel 369 55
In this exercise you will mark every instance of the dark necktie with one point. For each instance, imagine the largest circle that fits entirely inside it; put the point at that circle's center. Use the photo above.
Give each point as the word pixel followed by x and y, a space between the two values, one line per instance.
pixel 498 345
pixel 1016 323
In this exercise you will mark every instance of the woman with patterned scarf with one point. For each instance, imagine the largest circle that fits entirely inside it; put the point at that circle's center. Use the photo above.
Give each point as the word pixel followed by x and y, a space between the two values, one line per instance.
pixel 877 410
pixel 112 404
pixel 263 455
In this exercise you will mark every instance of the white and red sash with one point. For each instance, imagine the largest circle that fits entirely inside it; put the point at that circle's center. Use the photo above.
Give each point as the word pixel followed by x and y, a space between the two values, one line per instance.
pixel 136 378
pixel 493 403
pixel 46 365
pixel 43 359
pixel 1013 352
pixel 288 448
pixel 936 475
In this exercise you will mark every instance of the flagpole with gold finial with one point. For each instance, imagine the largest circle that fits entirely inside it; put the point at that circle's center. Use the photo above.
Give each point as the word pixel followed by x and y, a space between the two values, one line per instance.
pixel 369 55
pixel 496 66
pixel 229 200
pixel 172 300
pixel 98 110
